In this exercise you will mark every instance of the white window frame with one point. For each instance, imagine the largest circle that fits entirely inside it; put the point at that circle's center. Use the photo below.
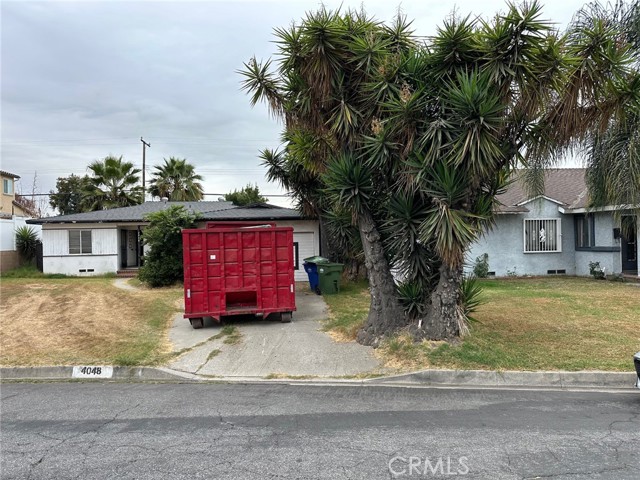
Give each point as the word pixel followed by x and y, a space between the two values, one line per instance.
pixel 82 250
pixel 542 221
pixel 7 186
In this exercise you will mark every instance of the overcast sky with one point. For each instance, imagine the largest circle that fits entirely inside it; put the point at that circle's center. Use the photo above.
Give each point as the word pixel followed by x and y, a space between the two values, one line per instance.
pixel 85 79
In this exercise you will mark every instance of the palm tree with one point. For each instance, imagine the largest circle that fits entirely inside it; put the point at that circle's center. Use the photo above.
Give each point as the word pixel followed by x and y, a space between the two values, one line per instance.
pixel 176 179
pixel 613 155
pixel 113 183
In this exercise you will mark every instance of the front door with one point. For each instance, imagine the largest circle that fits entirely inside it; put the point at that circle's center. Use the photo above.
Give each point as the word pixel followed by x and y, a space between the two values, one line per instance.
pixel 629 245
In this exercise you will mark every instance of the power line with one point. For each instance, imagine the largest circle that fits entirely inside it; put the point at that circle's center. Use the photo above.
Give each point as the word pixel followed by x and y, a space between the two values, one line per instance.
pixel 274 195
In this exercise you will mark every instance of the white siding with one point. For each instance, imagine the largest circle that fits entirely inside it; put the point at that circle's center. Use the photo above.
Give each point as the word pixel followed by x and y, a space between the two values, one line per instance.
pixel 55 242
pixel 104 242
pixel 103 258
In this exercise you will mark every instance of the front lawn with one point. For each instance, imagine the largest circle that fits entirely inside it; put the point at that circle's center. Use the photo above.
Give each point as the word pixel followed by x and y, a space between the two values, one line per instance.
pixel 550 323
pixel 72 321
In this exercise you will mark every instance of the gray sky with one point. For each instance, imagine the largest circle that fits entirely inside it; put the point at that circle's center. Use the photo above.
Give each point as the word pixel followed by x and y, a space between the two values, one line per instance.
pixel 84 79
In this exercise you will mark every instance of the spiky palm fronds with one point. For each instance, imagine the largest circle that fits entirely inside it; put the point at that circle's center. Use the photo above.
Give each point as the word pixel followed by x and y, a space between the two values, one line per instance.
pixel 113 183
pixel 176 179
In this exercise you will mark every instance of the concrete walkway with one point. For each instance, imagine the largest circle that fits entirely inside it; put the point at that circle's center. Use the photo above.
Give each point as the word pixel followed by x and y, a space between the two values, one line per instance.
pixel 270 348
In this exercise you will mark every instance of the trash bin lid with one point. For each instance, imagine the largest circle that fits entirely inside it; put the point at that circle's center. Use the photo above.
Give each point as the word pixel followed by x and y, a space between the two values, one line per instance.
pixel 316 260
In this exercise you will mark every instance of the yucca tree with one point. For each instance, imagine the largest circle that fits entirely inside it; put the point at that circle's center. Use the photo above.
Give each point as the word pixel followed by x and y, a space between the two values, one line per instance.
pixel 113 183
pixel 416 139
pixel 498 95
pixel 176 179
pixel 320 91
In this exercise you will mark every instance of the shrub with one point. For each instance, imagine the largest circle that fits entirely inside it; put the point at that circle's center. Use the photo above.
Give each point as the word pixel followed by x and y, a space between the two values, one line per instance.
pixel 412 299
pixel 163 262
pixel 481 267
pixel 596 271
pixel 27 242
pixel 471 296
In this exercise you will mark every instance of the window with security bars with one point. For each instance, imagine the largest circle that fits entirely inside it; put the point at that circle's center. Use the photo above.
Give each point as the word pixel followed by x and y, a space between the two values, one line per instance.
pixel 542 235
pixel 79 242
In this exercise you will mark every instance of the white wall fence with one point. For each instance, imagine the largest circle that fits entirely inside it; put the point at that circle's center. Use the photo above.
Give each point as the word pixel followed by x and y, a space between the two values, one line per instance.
pixel 8 229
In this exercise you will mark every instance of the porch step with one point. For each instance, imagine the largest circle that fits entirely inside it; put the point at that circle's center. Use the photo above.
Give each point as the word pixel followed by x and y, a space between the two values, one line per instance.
pixel 127 273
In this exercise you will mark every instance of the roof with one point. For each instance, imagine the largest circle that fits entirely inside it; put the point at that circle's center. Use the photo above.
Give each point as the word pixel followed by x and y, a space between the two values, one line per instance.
pixel 564 186
pixel 207 210
pixel 7 174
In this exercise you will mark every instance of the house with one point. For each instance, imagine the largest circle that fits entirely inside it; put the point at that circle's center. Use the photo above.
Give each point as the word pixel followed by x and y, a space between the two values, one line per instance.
pixel 12 216
pixel 556 233
pixel 108 241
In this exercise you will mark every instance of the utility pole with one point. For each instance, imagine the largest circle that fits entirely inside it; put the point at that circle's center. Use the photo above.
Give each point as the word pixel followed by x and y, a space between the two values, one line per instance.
pixel 144 151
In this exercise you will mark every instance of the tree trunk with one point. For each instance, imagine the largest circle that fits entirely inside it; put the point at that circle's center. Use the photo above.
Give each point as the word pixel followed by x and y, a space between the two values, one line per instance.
pixel 444 316
pixel 385 313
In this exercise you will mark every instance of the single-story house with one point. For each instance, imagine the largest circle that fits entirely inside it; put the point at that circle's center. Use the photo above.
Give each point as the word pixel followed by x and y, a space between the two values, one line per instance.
pixel 557 232
pixel 109 241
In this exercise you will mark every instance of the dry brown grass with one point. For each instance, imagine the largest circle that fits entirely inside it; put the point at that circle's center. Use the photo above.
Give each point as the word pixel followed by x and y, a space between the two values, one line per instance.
pixel 73 321
pixel 547 323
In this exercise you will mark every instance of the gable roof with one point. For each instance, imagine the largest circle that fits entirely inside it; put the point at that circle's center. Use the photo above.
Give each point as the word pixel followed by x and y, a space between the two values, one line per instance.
pixel 207 210
pixel 565 186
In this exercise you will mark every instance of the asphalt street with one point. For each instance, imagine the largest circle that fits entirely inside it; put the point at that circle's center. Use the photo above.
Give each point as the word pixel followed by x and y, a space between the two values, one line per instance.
pixel 219 431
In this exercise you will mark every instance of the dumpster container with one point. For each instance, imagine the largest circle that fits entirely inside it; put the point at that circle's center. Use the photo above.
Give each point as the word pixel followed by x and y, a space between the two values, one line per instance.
pixel 329 277
pixel 234 269
pixel 311 267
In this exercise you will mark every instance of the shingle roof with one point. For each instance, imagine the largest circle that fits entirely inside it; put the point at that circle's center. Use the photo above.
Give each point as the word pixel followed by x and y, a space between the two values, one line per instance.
pixel 208 211
pixel 566 186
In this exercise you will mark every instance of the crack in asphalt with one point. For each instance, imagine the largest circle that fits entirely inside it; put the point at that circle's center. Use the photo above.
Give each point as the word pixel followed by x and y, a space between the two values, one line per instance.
pixel 35 464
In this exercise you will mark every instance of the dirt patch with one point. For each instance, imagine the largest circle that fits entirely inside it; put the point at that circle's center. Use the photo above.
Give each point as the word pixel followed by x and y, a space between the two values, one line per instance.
pixel 63 321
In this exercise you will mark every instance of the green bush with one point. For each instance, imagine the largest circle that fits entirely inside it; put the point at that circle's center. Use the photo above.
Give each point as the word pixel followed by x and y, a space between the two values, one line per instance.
pixel 481 267
pixel 27 242
pixel 162 265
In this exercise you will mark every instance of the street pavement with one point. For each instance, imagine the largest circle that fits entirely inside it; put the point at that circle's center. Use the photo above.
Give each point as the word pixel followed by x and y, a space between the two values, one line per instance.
pixel 260 431
pixel 270 348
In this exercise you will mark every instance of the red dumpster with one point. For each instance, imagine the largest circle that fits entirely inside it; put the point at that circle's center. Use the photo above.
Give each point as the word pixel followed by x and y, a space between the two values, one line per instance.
pixel 238 268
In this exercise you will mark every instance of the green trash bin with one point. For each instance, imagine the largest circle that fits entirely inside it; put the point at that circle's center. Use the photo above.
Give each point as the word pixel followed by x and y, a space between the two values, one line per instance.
pixel 329 277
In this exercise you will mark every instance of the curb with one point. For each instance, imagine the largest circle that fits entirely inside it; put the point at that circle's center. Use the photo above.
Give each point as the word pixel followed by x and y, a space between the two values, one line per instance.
pixel 119 373
pixel 489 378
pixel 425 378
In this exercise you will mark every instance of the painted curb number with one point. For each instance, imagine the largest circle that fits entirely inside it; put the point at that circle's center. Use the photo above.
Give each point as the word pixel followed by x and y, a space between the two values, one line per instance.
pixel 91 371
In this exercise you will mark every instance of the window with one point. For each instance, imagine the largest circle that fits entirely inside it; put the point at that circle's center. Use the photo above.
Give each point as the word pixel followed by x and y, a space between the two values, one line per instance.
pixel 585 231
pixel 542 235
pixel 7 186
pixel 79 242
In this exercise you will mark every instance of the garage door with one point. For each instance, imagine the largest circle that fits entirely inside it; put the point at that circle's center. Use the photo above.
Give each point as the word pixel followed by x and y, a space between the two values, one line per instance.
pixel 304 246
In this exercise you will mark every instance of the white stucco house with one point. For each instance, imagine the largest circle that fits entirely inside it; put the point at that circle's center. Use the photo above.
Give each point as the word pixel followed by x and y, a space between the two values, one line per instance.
pixel 109 241
pixel 557 233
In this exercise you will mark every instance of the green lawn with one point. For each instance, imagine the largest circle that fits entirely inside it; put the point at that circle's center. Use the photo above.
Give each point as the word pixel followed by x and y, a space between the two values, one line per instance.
pixel 561 323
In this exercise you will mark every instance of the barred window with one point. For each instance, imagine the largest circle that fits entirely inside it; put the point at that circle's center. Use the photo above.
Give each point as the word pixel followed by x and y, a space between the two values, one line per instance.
pixel 542 235
pixel 79 242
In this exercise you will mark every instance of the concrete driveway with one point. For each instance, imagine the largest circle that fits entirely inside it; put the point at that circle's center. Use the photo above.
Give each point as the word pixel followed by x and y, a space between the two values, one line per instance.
pixel 270 348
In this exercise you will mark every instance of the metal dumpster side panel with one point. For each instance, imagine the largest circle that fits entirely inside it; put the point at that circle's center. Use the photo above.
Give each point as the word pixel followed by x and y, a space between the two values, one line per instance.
pixel 233 270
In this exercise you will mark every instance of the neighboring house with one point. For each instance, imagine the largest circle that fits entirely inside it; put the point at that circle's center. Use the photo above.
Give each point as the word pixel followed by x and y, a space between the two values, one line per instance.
pixel 9 207
pixel 13 215
pixel 107 241
pixel 556 233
